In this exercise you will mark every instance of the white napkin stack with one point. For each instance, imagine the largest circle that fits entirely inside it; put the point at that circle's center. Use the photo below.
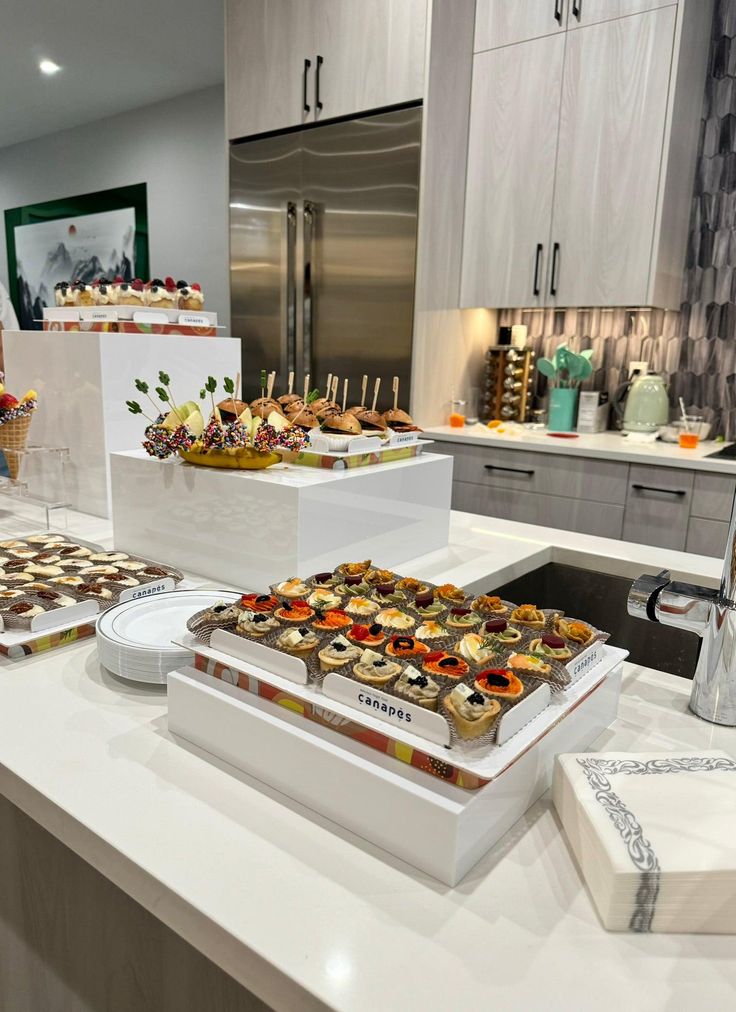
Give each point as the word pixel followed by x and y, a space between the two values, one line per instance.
pixel 654 835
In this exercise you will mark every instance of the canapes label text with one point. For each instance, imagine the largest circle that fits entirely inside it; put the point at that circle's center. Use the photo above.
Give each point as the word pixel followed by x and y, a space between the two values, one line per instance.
pixel 379 704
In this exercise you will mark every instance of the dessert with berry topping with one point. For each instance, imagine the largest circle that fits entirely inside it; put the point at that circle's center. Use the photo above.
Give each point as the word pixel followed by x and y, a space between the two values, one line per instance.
pixel 104 293
pixel 130 293
pixel 84 294
pixel 499 682
pixel 64 294
pixel 416 687
pixel 473 713
pixel 374 669
pixel 440 663
pixel 190 296
pixel 367 635
pixel 161 294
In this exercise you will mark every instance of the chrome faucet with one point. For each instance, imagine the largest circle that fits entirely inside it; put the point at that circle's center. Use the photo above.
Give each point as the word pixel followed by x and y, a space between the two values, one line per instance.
pixel 709 613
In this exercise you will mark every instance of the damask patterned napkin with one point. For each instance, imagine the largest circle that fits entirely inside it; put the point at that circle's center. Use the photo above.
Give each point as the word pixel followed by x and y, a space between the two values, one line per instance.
pixel 654 835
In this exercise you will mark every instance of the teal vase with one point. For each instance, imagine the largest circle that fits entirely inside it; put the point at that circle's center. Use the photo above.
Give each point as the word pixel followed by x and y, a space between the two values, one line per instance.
pixel 563 405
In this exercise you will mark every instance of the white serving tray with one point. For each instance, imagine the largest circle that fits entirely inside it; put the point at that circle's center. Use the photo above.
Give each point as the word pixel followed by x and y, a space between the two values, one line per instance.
pixel 359 445
pixel 131 313
pixel 433 825
pixel 539 719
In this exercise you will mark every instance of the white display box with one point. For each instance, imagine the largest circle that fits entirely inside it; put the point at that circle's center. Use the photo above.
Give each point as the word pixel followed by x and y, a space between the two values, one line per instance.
pixel 438 828
pixel 83 381
pixel 251 528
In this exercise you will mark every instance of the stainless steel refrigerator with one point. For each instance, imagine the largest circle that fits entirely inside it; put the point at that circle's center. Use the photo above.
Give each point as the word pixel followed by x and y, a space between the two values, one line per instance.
pixel 323 226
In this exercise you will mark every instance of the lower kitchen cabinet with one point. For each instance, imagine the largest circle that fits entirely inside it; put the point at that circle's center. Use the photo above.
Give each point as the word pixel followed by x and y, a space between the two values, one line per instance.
pixel 666 507
pixel 581 515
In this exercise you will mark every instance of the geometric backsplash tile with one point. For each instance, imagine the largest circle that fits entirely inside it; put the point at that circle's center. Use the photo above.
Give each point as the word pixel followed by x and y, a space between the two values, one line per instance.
pixel 694 349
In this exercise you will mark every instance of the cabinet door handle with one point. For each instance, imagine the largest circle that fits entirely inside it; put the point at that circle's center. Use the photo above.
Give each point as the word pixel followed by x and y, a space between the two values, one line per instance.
pixel 305 104
pixel 553 274
pixel 558 11
pixel 577 8
pixel 511 470
pixel 538 257
pixel 653 488
pixel 317 99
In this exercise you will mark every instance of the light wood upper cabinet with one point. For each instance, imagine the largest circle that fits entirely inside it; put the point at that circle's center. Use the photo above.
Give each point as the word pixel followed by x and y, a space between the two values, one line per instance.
pixel 514 114
pixel 267 42
pixel 372 53
pixel 612 124
pixel 363 55
pixel 617 145
pixel 505 22
pixel 590 12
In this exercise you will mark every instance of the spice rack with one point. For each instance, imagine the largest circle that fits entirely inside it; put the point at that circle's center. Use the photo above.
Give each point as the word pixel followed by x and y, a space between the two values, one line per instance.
pixel 507 388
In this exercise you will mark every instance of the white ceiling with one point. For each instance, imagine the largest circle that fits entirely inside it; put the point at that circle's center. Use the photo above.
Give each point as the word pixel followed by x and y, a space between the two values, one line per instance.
pixel 114 57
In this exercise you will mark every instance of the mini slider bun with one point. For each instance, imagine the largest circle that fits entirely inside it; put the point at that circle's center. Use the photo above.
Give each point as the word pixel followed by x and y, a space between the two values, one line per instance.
pixel 324 408
pixel 373 421
pixel 343 424
pixel 231 409
pixel 288 400
pixel 263 406
pixel 400 421
pixel 304 418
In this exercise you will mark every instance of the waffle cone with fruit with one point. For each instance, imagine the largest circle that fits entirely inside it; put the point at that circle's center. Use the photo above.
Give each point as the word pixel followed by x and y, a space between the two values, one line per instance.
pixel 15 421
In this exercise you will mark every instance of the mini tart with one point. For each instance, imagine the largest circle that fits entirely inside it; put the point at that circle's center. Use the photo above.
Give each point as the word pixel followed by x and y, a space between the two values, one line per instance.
pixel 108 557
pixel 472 715
pixel 18 578
pixel 78 564
pixel 367 635
pixel 295 611
pixel 292 589
pixel 571 629
pixel 462 618
pixel 101 570
pixel 439 663
pixel 22 553
pixel 78 552
pixel 324 598
pixel 16 565
pixel 297 642
pixel 31 588
pixel 361 606
pixel 54 599
pixel 499 682
pixel 411 586
pixel 489 605
pixel 374 669
pixel 384 596
pixel 476 649
pixel 8 595
pixel 326 579
pixel 255 624
pixel 20 613
pixel 95 590
pixel 416 687
pixel 333 619
pixel 7 545
pixel 265 603
pixel 553 647
pixel 395 618
pixel 337 654
pixel 154 572
pixel 120 580
pixel 499 630
pixel 351 568
pixel 406 646
pixel 449 592
pixel 430 630
pixel 529 615
pixel 359 589
pixel 525 662
pixel 65 581
pixel 133 565
pixel 46 559
pixel 377 576
pixel 37 539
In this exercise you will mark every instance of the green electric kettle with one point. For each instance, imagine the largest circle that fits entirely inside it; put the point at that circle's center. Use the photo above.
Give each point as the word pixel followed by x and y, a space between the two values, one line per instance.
pixel 643 403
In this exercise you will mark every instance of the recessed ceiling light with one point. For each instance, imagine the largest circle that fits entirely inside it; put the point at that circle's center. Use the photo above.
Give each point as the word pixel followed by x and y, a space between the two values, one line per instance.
pixel 49 67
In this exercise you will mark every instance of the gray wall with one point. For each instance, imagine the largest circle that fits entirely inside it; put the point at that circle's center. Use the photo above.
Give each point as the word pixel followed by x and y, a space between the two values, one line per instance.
pixel 177 147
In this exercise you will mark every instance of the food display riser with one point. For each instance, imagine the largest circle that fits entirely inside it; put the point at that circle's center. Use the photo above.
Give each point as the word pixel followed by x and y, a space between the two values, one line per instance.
pixel 249 528
pixel 84 380
pixel 431 824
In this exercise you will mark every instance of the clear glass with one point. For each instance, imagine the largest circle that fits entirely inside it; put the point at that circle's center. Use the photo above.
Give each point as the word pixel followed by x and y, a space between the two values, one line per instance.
pixel 538 419
pixel 473 405
pixel 457 413
pixel 689 435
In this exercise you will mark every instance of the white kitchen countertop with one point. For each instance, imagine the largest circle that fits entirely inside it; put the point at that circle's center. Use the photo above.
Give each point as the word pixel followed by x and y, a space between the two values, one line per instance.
pixel 600 445
pixel 307 915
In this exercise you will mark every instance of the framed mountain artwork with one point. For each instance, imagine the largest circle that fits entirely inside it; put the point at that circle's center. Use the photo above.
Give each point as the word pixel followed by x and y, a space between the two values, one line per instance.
pixel 80 238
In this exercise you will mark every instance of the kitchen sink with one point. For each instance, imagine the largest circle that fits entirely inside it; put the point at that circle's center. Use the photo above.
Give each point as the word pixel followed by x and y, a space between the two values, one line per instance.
pixel 601 599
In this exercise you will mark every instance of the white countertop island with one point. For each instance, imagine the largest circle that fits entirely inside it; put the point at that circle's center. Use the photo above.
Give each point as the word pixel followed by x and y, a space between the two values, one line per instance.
pixel 307 916
pixel 599 445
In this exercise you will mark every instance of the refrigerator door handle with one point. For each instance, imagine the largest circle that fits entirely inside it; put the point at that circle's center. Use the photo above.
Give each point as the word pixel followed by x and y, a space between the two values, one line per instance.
pixel 288 350
pixel 309 214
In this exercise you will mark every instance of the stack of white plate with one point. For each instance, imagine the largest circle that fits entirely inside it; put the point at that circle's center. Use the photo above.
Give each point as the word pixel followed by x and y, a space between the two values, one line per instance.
pixel 134 639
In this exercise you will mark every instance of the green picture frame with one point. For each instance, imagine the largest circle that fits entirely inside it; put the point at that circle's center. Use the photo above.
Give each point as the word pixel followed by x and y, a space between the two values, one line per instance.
pixel 120 197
